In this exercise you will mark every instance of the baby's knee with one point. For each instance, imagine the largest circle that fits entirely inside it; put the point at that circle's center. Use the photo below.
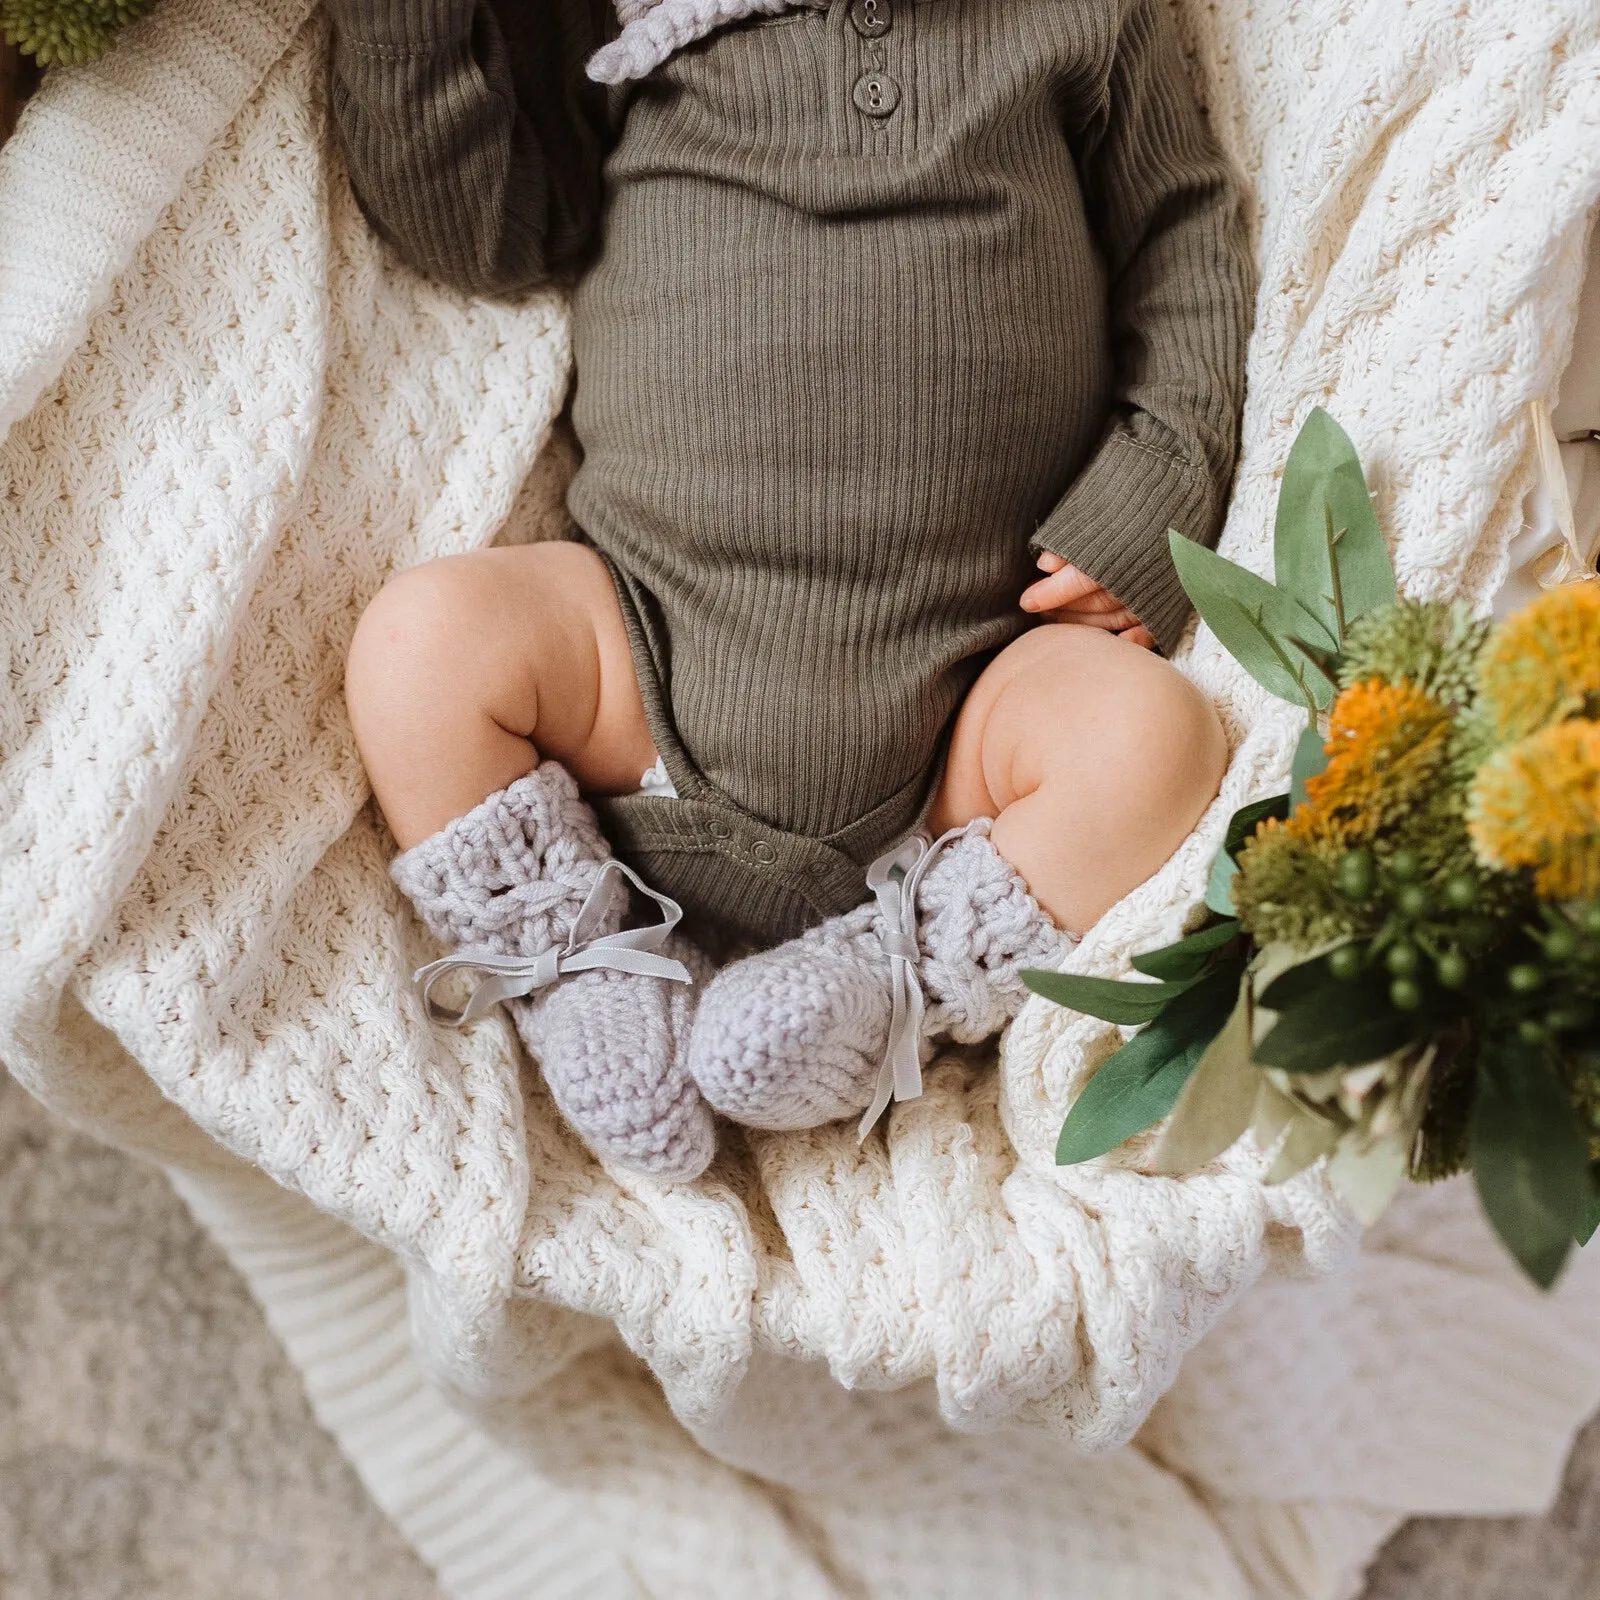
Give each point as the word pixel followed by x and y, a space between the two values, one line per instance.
pixel 1174 737
pixel 1135 714
pixel 418 621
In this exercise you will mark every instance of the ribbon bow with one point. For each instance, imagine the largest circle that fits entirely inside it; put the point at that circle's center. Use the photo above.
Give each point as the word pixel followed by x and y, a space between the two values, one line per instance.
pixel 511 977
pixel 895 878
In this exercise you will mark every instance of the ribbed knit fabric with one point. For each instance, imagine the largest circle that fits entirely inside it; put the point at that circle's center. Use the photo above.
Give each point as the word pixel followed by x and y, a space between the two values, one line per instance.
pixel 446 108
pixel 869 316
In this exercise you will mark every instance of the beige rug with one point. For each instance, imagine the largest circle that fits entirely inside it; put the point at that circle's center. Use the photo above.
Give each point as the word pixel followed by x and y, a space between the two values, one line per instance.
pixel 155 1443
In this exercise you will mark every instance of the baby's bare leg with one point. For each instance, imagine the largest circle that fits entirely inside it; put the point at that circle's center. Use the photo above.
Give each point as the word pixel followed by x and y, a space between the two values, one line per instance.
pixel 1094 757
pixel 465 671
pixel 464 675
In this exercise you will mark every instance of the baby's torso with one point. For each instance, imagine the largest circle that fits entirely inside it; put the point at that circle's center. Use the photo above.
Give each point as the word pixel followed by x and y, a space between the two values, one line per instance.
pixel 843 348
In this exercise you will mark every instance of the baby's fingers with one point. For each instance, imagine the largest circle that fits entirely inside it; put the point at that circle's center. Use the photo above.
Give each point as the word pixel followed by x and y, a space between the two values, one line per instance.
pixel 1114 619
pixel 1064 587
pixel 1139 635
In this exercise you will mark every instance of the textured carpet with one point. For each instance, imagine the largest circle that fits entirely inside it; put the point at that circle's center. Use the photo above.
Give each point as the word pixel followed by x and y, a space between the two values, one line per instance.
pixel 155 1443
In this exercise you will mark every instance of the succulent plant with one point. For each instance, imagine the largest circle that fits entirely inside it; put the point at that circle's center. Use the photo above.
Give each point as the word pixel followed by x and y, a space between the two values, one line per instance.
pixel 66 32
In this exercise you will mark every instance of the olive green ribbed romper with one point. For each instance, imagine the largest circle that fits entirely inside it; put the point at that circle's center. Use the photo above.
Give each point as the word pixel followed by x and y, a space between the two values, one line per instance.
pixel 873 300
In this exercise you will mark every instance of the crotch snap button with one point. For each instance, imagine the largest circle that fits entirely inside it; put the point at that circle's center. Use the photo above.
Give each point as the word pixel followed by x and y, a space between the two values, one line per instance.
pixel 871 18
pixel 719 830
pixel 763 852
pixel 876 93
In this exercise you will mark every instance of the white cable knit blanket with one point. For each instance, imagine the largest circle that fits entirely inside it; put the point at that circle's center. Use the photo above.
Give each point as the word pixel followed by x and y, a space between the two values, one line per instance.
pixel 231 416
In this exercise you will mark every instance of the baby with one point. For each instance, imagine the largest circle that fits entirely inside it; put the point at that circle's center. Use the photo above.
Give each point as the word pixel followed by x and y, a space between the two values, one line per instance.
pixel 882 309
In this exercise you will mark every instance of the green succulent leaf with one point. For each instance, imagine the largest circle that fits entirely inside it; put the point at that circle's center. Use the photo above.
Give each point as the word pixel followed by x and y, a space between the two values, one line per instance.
pixel 1528 1156
pixel 1328 550
pixel 1260 626
pixel 1140 1084
pixel 66 32
pixel 1110 999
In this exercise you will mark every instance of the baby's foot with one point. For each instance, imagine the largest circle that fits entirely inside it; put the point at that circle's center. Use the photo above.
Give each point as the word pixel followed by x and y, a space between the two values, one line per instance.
pixel 612 1047
pixel 513 879
pixel 795 1037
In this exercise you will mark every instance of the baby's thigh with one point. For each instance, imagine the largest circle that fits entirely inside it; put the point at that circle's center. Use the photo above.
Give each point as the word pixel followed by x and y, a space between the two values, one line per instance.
pixel 1120 736
pixel 530 637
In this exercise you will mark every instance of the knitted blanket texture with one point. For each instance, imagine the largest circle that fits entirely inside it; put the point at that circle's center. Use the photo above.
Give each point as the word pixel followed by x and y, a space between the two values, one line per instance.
pixel 231 416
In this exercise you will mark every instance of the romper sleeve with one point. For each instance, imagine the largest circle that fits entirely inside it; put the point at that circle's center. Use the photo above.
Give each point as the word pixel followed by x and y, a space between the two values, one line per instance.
pixel 473 139
pixel 1167 211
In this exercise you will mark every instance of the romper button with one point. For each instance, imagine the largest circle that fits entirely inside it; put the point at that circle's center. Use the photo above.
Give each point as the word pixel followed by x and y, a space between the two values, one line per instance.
pixel 720 830
pixel 871 18
pixel 763 852
pixel 876 93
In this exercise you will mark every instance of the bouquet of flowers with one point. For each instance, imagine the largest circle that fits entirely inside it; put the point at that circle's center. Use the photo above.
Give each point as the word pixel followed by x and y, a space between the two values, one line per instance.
pixel 68 32
pixel 1399 968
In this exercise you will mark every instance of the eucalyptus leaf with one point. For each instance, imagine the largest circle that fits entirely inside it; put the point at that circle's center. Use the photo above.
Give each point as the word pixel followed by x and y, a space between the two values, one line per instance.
pixel 1219 886
pixel 1244 822
pixel 1310 1138
pixel 1342 1025
pixel 1368 1178
pixel 1216 1103
pixel 1310 759
pixel 1110 999
pixel 1591 1217
pixel 1328 550
pixel 1140 1083
pixel 1241 825
pixel 1177 963
pixel 1260 626
pixel 1273 1112
pixel 1297 985
pixel 1529 1156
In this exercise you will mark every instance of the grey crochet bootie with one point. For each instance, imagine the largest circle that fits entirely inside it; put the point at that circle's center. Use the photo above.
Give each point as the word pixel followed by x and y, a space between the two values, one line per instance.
pixel 797 1036
pixel 525 878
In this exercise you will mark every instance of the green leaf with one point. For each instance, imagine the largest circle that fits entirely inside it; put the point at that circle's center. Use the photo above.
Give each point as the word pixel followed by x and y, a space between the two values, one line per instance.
pixel 1310 758
pixel 1328 550
pixel 1295 986
pixel 1591 1216
pixel 1186 960
pixel 1215 1105
pixel 1529 1157
pixel 1140 1083
pixel 1110 999
pixel 1219 886
pixel 1340 1025
pixel 1243 823
pixel 1259 626
pixel 1247 819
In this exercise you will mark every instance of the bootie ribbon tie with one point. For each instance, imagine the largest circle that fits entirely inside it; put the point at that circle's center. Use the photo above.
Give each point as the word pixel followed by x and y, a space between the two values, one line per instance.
pixel 894 879
pixel 513 977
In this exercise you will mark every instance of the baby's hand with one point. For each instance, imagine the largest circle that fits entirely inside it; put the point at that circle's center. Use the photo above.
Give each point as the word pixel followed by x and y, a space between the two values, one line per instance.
pixel 1068 595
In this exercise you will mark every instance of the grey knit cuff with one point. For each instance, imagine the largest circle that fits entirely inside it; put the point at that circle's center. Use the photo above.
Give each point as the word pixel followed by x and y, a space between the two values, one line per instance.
pixel 402 27
pixel 1113 524
pixel 512 874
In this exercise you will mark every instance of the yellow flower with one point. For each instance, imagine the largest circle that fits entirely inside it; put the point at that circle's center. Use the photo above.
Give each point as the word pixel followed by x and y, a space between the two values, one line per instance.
pixel 1542 663
pixel 1537 804
pixel 1387 743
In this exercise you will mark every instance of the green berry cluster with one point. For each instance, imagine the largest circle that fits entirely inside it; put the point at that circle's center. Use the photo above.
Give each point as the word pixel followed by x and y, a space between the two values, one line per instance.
pixel 1432 929
pixel 1437 949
